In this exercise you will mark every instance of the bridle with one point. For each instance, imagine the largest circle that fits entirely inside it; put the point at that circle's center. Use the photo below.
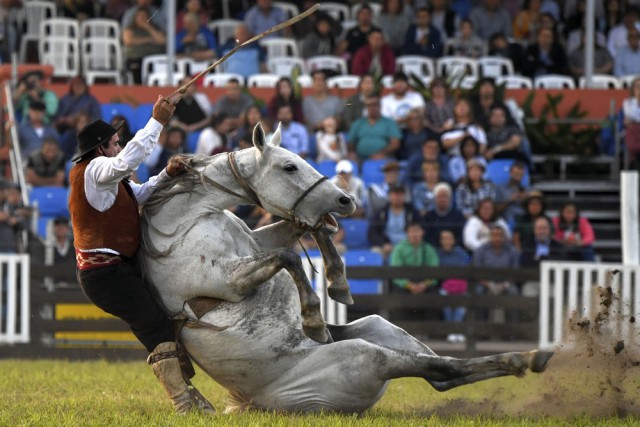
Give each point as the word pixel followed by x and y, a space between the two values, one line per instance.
pixel 289 214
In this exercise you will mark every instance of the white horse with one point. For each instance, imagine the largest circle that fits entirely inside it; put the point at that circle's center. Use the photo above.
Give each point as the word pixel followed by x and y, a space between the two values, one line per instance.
pixel 254 342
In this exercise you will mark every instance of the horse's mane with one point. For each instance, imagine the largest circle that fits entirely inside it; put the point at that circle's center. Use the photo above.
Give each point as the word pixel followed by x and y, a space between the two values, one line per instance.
pixel 190 182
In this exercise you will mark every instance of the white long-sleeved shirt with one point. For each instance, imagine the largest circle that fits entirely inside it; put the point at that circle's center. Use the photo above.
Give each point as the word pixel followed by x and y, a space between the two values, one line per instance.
pixel 102 175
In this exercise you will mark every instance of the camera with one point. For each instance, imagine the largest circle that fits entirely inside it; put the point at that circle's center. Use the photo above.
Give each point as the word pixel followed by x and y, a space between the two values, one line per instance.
pixel 30 85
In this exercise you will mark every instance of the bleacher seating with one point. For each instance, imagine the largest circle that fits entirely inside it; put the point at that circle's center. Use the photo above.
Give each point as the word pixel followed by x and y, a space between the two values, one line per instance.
pixel 355 233
pixel 113 109
pixel 50 202
pixel 364 258
pixel 372 171
pixel 141 116
pixel 326 168
pixel 498 172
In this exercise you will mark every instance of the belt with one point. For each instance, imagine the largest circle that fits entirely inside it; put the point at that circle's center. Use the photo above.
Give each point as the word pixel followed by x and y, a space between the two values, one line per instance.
pixel 89 260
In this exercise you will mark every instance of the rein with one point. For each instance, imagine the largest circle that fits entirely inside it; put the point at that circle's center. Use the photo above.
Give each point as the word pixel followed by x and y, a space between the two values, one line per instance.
pixel 290 214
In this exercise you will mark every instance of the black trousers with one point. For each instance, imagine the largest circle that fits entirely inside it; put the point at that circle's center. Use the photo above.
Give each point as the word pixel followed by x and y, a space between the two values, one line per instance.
pixel 119 290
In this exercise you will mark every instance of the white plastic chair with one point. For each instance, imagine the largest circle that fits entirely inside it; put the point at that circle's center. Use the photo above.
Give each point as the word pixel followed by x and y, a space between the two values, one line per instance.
pixel 62 53
pixel 102 28
pixel 60 27
pixel 224 29
pixel 376 10
pixel 554 81
pixel 35 12
pixel 263 80
pixel 418 65
pixel 290 10
pixel 627 81
pixel 280 46
pixel 495 66
pixel 305 80
pixel 339 12
pixel 344 82
pixel 102 58
pixel 457 67
pixel 162 79
pixel 221 79
pixel 601 81
pixel 324 62
pixel 515 82
pixel 157 65
pixel 284 65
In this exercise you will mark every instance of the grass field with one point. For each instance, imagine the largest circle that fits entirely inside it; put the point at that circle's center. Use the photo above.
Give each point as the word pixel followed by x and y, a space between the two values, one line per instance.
pixel 100 393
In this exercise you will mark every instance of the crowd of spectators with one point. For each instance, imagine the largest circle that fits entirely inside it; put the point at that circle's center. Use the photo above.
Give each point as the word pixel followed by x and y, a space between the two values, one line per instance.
pixel 434 205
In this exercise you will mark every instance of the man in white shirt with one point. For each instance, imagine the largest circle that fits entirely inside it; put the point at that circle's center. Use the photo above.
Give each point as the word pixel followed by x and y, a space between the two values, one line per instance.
pixel 106 226
pixel 401 101
pixel 618 34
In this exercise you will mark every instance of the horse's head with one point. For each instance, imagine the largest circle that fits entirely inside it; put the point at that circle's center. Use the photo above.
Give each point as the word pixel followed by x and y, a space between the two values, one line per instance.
pixel 289 187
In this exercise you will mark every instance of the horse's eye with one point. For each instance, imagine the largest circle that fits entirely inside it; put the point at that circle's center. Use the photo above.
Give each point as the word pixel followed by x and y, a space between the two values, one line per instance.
pixel 290 168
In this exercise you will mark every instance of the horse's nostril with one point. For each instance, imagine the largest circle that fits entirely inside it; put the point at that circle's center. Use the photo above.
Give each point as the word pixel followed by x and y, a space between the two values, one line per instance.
pixel 344 200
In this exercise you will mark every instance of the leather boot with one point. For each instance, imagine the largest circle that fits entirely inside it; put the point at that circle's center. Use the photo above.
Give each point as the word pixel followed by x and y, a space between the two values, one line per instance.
pixel 166 366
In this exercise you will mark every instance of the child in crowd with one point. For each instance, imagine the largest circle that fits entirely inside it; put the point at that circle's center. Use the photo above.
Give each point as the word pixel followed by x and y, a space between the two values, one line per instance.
pixel 330 143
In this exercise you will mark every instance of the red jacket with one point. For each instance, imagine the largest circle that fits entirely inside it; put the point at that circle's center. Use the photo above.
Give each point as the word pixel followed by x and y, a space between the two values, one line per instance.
pixel 362 60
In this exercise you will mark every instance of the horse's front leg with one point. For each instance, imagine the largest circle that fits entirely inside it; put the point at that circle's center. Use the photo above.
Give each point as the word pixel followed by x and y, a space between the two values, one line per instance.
pixel 248 272
pixel 338 288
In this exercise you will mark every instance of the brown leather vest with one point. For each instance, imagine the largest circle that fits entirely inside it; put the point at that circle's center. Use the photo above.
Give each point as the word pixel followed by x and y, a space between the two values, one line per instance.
pixel 117 228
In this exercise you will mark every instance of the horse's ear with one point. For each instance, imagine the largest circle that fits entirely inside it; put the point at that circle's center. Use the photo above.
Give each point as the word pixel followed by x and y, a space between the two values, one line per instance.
pixel 276 139
pixel 259 138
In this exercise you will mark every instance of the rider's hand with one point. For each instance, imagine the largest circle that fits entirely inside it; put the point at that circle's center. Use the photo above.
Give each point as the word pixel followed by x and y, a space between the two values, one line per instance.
pixel 176 166
pixel 163 109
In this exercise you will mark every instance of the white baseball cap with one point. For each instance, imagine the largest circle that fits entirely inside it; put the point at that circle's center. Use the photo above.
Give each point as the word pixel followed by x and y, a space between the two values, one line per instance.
pixel 344 166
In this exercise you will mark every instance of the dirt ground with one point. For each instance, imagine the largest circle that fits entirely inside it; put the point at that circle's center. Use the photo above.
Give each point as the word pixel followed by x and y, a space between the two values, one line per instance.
pixel 594 373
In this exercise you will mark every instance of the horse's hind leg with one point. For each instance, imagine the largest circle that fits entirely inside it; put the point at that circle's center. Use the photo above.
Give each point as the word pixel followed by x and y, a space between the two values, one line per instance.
pixel 338 288
pixel 445 373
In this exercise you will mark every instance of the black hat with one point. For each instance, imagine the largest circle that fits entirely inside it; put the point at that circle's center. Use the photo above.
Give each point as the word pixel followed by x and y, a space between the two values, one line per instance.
pixel 94 134
pixel 33 73
pixel 37 105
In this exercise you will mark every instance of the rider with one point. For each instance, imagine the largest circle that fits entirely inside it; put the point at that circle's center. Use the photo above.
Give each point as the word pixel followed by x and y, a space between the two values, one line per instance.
pixel 106 226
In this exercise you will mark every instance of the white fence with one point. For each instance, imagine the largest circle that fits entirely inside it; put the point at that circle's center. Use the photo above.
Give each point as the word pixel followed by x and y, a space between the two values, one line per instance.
pixel 14 299
pixel 333 312
pixel 568 287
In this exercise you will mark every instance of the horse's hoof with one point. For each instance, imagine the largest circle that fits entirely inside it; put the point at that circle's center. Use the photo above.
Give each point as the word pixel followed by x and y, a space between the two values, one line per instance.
pixel 539 361
pixel 316 333
pixel 342 295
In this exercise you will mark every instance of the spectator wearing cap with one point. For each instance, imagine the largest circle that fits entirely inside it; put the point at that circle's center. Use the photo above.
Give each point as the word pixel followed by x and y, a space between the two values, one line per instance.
pixel 375 136
pixel 443 216
pixel 387 226
pixel 77 100
pixel 474 188
pixel 34 130
pixel 353 185
pixel 378 193
pixel 422 38
pixel 295 137
pixel 30 89
pixel 46 167
pixel 376 57
pixel 401 101
pixel 14 217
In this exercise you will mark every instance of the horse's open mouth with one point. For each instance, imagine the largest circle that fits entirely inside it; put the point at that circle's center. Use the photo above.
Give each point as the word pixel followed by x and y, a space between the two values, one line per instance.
pixel 327 223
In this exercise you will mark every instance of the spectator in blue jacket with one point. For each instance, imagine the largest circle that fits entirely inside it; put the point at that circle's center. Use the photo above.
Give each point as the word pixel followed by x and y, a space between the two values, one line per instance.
pixel 195 40
pixel 422 38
